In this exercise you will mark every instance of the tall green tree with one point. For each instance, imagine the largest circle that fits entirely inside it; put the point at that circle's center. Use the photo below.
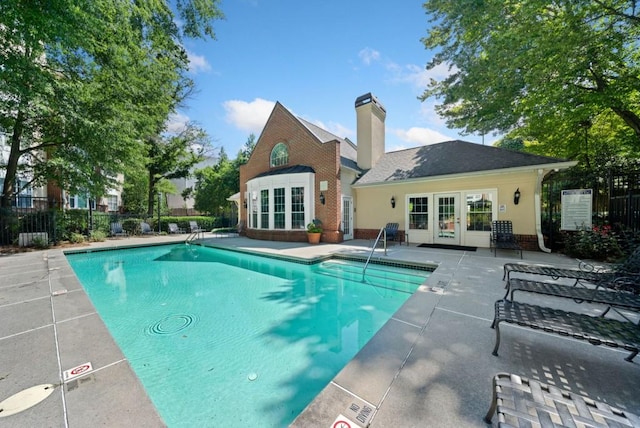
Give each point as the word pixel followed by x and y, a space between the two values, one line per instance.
pixel 173 156
pixel 214 184
pixel 84 84
pixel 534 64
pixel 245 152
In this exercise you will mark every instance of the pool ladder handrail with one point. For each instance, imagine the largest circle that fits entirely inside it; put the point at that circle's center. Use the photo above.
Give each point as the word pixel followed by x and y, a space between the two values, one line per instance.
pixel 383 232
pixel 193 235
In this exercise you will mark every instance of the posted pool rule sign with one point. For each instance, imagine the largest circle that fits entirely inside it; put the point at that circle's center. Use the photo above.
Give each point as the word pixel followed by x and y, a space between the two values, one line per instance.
pixel 77 371
pixel 359 412
pixel 576 209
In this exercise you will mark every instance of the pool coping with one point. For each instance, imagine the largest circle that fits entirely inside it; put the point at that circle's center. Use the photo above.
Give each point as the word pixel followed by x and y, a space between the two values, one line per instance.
pixel 436 349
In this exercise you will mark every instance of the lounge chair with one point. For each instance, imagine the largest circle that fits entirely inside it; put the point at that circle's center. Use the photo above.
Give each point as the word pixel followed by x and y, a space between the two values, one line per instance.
pixel 194 227
pixel 502 237
pixel 392 231
pixel 146 229
pixel 623 293
pixel 173 228
pixel 115 229
pixel 519 401
pixel 585 272
pixel 595 330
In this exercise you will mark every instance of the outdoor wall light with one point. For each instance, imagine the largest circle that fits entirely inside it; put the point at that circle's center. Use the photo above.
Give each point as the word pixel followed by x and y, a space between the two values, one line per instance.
pixel 322 200
pixel 393 202
pixel 245 202
pixel 516 196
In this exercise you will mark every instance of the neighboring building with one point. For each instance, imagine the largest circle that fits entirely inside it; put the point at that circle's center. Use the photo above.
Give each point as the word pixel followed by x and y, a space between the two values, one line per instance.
pixel 111 202
pixel 442 193
pixel 43 197
pixel 175 202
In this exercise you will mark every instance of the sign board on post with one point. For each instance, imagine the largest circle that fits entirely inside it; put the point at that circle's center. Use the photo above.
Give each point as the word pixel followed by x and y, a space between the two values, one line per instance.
pixel 576 209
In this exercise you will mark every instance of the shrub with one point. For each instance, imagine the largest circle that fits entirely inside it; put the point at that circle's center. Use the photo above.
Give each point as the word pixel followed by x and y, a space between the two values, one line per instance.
pixel 98 236
pixel 76 238
pixel 598 243
pixel 40 242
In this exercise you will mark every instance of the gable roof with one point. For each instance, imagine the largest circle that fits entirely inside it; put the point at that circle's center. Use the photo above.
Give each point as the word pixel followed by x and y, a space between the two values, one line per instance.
pixel 348 150
pixel 450 157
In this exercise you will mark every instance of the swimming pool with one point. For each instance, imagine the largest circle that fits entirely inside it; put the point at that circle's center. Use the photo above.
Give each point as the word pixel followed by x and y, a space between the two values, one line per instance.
pixel 220 338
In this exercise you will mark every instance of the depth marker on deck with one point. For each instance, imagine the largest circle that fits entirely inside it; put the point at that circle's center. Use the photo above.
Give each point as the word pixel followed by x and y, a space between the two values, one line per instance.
pixel 77 371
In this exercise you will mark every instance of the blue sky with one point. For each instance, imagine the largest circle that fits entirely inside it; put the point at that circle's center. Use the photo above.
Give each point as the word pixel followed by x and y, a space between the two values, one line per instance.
pixel 315 58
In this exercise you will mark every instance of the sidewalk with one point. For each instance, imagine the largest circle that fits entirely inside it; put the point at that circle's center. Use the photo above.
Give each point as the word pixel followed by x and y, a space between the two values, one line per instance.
pixel 430 365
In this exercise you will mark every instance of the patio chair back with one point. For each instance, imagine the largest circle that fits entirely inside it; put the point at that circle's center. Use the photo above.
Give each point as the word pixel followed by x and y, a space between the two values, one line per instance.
pixel 173 228
pixel 145 228
pixel 392 231
pixel 115 229
pixel 631 265
pixel 194 227
pixel 502 231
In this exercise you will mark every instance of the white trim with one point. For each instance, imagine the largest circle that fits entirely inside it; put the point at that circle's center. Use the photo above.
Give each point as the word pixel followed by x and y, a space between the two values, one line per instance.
pixel 538 211
pixel 466 237
pixel 305 180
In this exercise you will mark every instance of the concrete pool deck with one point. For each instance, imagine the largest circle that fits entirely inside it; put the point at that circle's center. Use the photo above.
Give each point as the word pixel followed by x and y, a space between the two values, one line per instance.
pixel 430 365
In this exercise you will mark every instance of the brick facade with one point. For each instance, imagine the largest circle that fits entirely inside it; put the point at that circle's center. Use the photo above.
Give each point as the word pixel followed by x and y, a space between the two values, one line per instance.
pixel 304 149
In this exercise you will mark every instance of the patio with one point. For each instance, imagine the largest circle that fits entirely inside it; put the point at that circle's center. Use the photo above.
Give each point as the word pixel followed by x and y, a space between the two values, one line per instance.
pixel 430 365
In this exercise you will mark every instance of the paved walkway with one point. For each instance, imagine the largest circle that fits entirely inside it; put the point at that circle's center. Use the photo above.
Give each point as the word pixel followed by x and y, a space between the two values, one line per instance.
pixel 430 365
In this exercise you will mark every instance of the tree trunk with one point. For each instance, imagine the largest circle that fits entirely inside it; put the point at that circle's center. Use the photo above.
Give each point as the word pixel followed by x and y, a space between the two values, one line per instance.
pixel 12 163
pixel 630 118
pixel 152 194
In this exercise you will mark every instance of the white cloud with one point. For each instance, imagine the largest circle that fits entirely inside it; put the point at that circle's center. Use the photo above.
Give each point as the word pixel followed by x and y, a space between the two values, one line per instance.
pixel 429 116
pixel 248 116
pixel 418 76
pixel 420 136
pixel 368 55
pixel 197 63
pixel 176 123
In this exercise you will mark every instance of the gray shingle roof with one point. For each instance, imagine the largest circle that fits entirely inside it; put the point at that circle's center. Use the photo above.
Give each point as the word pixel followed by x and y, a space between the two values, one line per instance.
pixel 348 150
pixel 449 157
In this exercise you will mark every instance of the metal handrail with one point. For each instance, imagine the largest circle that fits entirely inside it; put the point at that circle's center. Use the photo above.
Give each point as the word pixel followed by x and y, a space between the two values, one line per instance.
pixel 383 232
pixel 193 236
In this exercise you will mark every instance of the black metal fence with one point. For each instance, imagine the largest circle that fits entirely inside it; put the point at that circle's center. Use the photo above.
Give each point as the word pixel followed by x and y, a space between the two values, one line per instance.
pixel 30 218
pixel 616 201
pixel 35 221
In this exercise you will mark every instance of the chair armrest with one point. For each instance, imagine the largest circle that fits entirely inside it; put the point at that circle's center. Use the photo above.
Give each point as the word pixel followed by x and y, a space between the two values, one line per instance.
pixel 629 282
pixel 586 266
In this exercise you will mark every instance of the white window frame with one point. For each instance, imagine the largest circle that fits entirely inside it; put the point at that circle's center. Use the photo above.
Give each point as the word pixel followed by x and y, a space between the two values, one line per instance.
pixel 287 181
pixel 112 203
pixel 75 200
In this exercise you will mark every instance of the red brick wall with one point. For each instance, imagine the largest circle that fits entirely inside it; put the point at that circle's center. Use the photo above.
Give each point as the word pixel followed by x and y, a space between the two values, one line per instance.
pixel 528 242
pixel 373 234
pixel 304 149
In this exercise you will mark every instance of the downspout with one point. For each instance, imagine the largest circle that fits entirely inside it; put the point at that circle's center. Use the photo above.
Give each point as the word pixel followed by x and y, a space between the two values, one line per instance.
pixel 538 211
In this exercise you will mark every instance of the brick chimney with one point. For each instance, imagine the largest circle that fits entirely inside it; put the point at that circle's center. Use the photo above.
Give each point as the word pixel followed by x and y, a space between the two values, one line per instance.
pixel 370 115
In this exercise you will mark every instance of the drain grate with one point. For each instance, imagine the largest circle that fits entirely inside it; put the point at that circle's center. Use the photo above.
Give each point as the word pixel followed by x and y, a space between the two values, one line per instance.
pixel 172 324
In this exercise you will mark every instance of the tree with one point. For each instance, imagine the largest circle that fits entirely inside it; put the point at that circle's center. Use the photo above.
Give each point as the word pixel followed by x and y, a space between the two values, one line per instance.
pixel 214 184
pixel 535 64
pixel 173 157
pixel 516 144
pixel 83 84
pixel 245 152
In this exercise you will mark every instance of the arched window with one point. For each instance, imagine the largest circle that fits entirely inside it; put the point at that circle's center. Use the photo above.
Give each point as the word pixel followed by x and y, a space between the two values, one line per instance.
pixel 279 155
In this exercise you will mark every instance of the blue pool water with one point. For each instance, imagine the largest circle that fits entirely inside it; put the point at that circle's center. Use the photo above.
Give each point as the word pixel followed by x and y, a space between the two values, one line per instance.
pixel 220 338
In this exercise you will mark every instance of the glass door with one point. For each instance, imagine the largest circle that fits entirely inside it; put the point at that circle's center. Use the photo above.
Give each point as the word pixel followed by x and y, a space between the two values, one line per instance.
pixel 347 218
pixel 447 222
